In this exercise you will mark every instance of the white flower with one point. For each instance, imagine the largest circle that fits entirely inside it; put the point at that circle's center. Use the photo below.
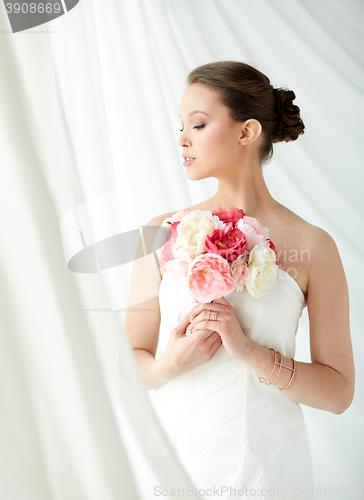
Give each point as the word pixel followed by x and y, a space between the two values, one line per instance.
pixel 174 218
pixel 263 270
pixel 192 232
pixel 219 223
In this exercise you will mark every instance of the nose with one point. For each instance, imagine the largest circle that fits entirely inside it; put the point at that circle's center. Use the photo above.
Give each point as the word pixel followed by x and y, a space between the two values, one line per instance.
pixel 183 141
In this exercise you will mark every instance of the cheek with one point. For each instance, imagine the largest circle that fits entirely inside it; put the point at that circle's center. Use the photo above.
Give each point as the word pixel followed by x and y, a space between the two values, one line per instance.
pixel 219 145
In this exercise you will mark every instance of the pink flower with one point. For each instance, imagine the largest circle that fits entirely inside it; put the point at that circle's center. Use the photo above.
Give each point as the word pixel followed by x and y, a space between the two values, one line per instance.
pixel 232 215
pixel 253 231
pixel 178 268
pixel 209 278
pixel 227 242
pixel 240 272
pixel 271 245
pixel 165 253
pixel 258 228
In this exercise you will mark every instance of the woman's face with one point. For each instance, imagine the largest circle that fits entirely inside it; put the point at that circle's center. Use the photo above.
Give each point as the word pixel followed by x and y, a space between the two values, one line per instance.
pixel 212 137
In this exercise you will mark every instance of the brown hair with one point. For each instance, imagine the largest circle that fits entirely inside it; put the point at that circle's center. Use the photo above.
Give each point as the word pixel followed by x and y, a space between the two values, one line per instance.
pixel 248 94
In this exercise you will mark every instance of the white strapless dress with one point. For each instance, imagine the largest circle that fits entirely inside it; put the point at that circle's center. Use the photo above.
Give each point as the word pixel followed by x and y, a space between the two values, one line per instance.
pixel 231 432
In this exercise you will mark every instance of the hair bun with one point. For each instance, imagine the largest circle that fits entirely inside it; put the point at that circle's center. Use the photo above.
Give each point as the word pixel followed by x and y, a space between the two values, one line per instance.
pixel 289 123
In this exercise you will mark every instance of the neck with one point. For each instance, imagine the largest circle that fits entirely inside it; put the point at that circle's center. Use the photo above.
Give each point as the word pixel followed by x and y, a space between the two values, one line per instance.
pixel 244 189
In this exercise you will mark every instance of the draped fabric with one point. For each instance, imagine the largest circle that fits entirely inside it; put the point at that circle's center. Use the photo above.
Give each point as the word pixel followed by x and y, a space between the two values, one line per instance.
pixel 88 128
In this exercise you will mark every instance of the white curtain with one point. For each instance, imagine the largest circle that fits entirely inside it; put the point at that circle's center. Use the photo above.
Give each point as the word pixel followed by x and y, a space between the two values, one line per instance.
pixel 88 128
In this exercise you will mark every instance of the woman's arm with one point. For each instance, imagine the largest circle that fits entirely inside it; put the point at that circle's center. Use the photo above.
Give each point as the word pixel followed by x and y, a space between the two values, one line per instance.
pixel 327 383
pixel 142 318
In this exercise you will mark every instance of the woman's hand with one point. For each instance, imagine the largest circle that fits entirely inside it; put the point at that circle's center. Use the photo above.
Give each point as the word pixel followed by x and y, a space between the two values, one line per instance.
pixel 227 325
pixel 184 353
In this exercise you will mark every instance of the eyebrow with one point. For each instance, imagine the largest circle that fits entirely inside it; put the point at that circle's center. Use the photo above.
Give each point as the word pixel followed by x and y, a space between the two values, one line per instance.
pixel 197 111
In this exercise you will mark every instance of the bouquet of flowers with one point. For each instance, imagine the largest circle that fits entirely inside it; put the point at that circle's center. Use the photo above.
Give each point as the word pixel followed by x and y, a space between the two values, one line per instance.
pixel 216 252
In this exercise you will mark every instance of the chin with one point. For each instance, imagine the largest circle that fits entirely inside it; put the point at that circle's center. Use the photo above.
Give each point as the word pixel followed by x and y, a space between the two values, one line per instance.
pixel 194 174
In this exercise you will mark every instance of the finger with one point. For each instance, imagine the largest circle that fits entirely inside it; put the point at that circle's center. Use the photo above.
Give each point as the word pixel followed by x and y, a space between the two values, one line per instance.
pixel 222 302
pixel 206 325
pixel 205 334
pixel 217 343
pixel 195 311
pixel 213 337
pixel 204 315
pixel 183 324
pixel 205 307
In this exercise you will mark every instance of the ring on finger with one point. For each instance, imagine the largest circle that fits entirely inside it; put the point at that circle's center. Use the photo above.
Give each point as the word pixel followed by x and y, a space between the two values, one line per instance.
pixel 213 315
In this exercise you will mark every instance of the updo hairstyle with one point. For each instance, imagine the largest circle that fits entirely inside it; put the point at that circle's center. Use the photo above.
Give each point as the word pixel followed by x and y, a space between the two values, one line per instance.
pixel 247 93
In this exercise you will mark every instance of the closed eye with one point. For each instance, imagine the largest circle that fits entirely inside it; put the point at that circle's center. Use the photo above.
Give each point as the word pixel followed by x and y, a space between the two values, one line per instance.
pixel 196 126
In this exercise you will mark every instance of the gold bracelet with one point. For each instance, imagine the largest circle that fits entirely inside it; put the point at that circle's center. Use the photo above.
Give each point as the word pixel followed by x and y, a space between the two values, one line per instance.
pixel 276 363
pixel 292 375
pixel 261 379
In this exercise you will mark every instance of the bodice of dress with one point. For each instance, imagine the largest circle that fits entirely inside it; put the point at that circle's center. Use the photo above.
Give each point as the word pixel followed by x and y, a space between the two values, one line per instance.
pixel 271 321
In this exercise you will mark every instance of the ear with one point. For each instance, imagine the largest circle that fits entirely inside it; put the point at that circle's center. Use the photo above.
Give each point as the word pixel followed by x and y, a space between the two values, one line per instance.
pixel 250 131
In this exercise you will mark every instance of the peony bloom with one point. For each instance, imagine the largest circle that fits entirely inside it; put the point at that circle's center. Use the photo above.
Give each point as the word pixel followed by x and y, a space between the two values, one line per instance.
pixel 254 232
pixel 263 270
pixel 216 252
pixel 227 242
pixel 240 272
pixel 165 253
pixel 232 215
pixel 219 223
pixel 178 268
pixel 209 278
pixel 192 232
pixel 272 246
pixel 177 217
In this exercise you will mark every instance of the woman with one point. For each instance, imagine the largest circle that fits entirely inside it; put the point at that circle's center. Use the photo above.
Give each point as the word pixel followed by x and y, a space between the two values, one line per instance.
pixel 235 431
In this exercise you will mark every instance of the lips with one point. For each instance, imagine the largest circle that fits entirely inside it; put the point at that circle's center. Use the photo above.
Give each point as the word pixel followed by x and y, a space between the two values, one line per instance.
pixel 188 161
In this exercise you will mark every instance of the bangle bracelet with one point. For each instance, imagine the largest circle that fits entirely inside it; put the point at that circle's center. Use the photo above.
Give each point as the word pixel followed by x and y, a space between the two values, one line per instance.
pixel 261 379
pixel 293 372
pixel 280 366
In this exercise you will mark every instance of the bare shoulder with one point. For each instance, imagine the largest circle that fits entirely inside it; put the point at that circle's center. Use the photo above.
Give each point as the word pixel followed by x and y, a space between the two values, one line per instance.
pixel 318 267
pixel 158 219
pixel 300 245
pixel 324 257
pixel 318 239
pixel 308 237
pixel 294 231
